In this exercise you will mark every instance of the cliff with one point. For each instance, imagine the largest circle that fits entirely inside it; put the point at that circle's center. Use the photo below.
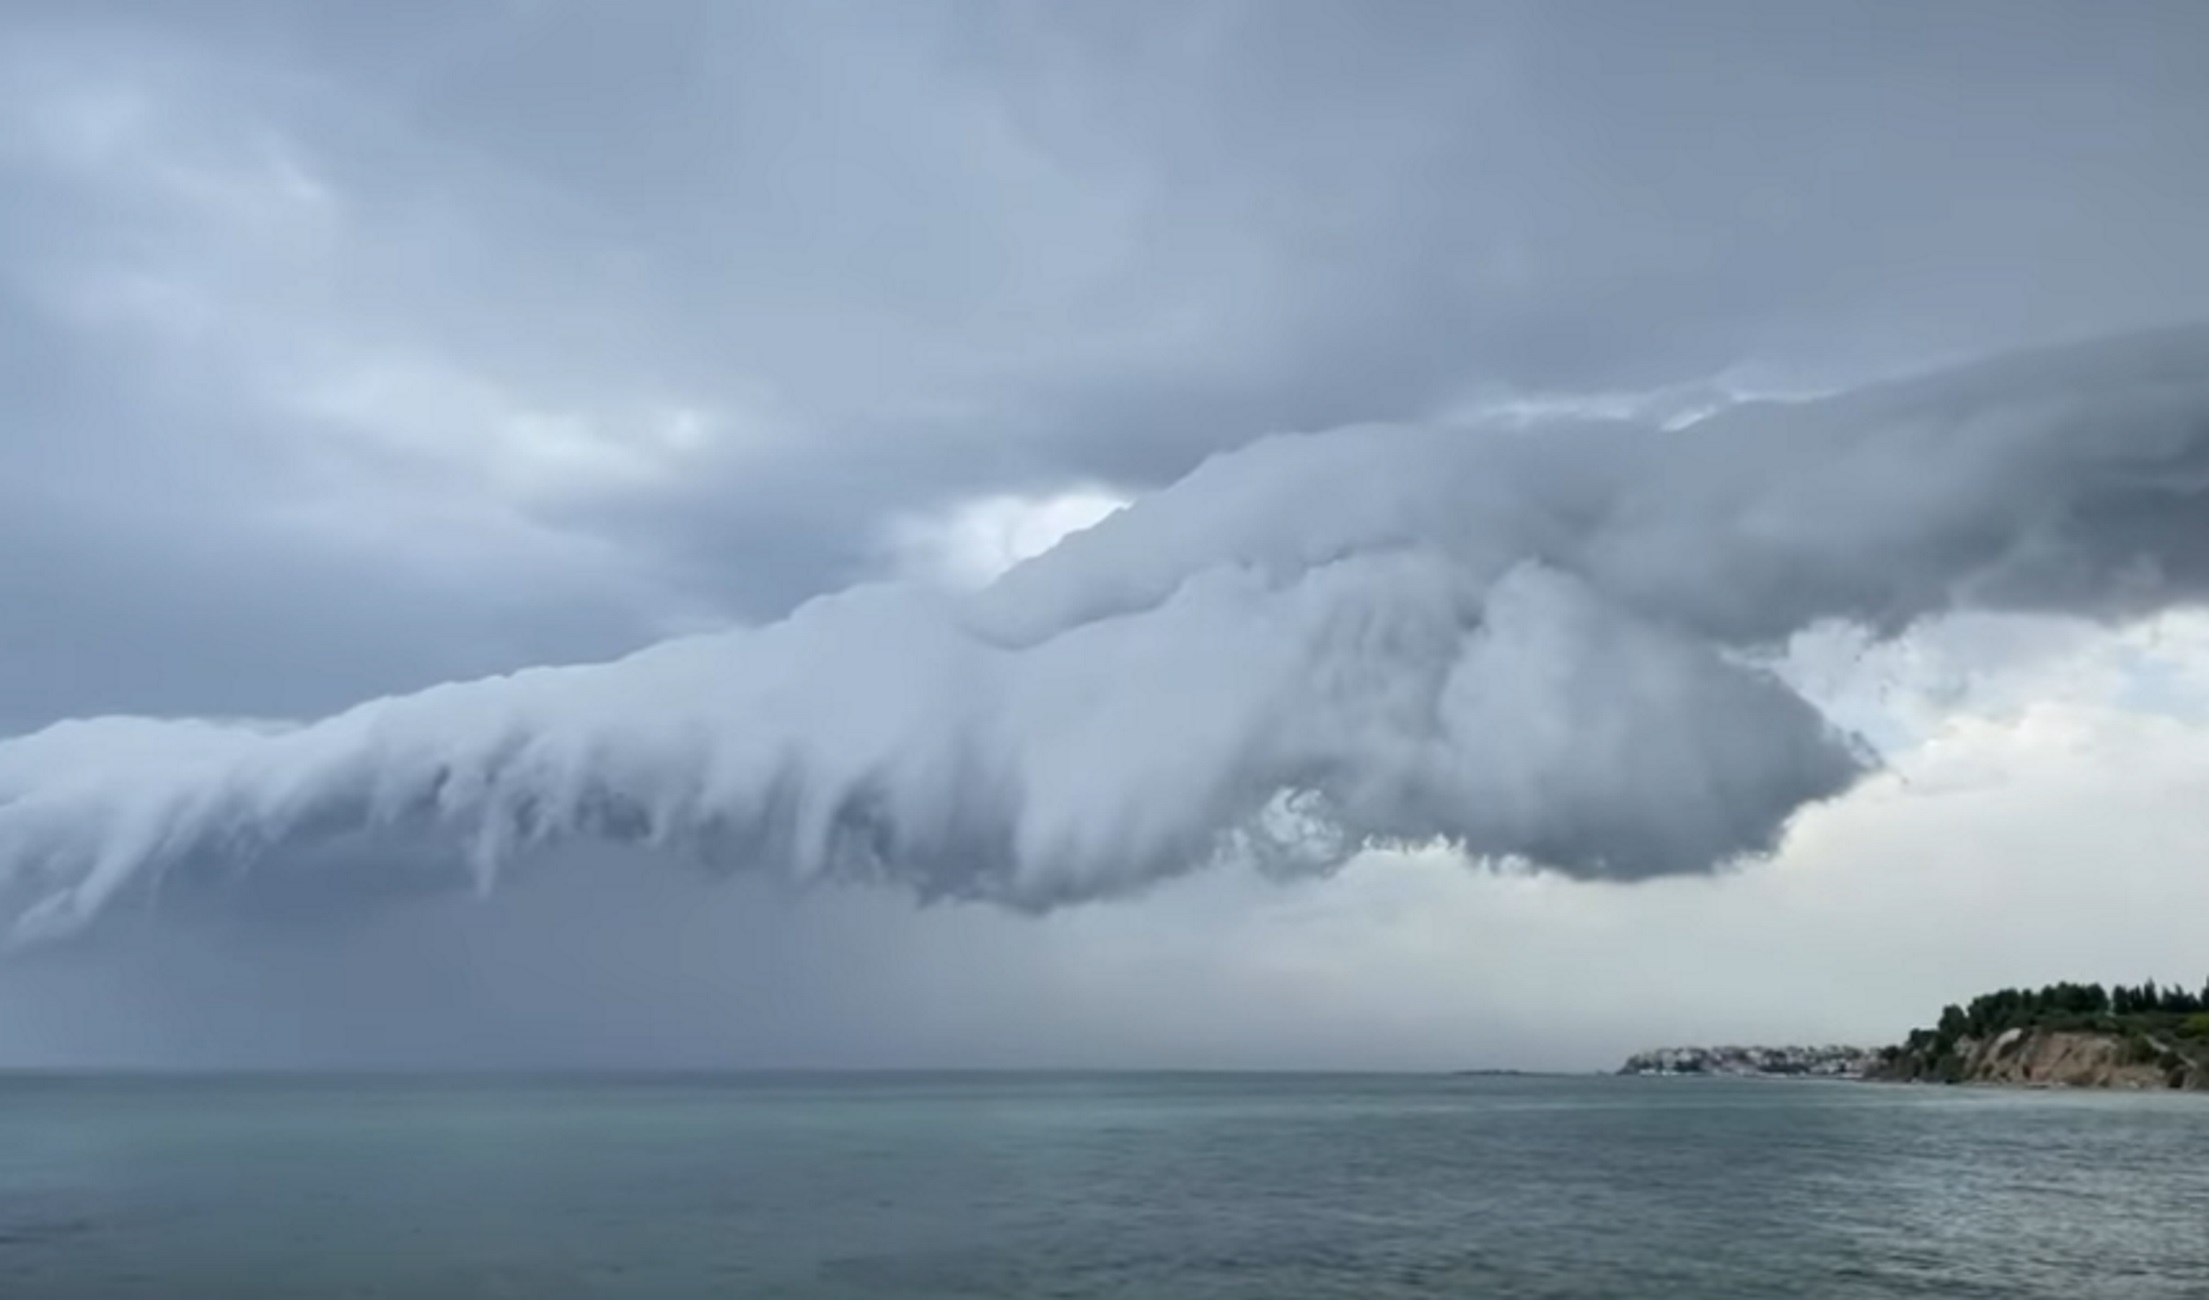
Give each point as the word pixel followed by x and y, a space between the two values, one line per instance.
pixel 2053 1058
pixel 2066 1035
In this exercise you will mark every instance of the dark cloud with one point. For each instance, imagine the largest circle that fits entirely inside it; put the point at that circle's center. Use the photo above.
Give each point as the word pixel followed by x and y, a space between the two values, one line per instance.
pixel 346 350
pixel 896 255
pixel 1527 643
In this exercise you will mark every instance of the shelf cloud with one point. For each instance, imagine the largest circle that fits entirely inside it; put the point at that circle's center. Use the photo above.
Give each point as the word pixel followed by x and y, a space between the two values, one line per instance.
pixel 1547 643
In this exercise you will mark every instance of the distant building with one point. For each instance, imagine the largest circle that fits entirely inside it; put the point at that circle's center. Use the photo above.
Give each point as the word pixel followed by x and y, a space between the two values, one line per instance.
pixel 1830 1062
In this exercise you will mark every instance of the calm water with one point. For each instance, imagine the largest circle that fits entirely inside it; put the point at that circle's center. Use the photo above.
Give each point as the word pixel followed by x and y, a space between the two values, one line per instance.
pixel 1158 1187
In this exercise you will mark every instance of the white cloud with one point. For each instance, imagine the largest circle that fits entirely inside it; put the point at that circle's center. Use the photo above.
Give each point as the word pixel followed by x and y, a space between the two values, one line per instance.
pixel 406 324
pixel 970 544
pixel 1531 647
pixel 2043 827
pixel 450 421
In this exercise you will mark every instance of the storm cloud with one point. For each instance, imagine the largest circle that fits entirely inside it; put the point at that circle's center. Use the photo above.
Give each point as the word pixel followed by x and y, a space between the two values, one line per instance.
pixel 1529 644
pixel 1479 414
pixel 539 330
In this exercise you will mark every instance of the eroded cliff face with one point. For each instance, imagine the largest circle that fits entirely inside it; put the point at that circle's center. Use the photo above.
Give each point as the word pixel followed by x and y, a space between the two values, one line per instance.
pixel 2062 1059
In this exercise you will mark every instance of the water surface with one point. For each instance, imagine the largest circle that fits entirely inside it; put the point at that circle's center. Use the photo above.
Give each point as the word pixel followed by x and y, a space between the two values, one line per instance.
pixel 1150 1186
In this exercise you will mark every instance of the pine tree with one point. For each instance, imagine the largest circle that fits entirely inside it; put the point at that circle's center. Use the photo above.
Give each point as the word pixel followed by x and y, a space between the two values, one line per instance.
pixel 1954 1024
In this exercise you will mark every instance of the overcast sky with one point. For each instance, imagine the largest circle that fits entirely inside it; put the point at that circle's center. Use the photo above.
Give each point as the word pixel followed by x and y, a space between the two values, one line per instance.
pixel 350 349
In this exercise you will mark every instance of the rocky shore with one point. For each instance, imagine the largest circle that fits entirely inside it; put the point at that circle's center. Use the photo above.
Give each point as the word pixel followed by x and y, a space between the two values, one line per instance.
pixel 2045 1058
pixel 2028 1058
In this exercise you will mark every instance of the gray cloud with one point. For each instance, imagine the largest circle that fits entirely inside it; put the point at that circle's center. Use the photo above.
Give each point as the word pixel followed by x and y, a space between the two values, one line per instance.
pixel 348 350
pixel 1523 642
pixel 892 256
pixel 2046 811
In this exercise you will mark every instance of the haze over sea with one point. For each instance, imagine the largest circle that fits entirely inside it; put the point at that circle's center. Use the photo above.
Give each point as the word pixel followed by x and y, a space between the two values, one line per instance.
pixel 1080 1186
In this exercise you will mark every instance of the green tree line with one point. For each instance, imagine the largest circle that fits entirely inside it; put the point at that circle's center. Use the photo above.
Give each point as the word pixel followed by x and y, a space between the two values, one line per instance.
pixel 1991 1013
pixel 2170 1009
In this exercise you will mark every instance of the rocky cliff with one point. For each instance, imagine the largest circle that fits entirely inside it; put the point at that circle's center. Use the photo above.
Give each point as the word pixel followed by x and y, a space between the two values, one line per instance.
pixel 2055 1059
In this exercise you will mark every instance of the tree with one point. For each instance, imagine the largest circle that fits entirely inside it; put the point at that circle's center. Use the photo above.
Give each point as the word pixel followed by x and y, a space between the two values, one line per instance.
pixel 1954 1024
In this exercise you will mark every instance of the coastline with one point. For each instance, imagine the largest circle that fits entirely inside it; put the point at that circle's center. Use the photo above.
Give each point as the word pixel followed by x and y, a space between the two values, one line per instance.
pixel 2040 1059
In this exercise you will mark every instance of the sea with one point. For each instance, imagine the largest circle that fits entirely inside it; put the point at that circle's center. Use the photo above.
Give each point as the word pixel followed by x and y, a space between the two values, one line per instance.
pixel 1150 1186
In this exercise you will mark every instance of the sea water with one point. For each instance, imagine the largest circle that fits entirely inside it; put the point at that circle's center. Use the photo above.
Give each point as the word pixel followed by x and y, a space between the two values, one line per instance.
pixel 1079 1186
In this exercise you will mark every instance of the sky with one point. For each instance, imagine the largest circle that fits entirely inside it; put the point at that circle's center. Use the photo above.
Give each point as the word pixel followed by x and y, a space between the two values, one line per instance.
pixel 348 351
